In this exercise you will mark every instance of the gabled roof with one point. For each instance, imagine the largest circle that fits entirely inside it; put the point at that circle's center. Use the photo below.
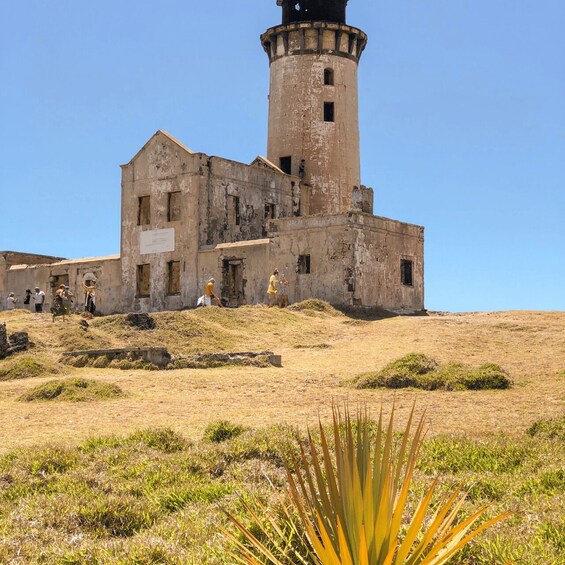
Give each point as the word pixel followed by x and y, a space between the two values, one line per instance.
pixel 263 162
pixel 168 136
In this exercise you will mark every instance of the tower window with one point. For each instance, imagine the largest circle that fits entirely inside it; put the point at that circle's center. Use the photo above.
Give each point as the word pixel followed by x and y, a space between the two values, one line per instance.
pixel 173 206
pixel 329 77
pixel 328 112
pixel 144 210
pixel 143 281
pixel 303 265
pixel 406 267
pixel 233 210
pixel 173 284
pixel 285 165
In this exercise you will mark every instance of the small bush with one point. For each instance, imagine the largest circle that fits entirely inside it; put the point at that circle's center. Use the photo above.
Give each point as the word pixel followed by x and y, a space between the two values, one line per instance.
pixel 222 430
pixel 73 390
pixel 401 373
pixel 551 429
pixel 25 368
pixel 419 371
pixel 161 439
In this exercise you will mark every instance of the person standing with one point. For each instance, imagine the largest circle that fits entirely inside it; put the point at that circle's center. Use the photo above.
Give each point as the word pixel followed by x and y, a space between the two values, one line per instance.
pixel 27 299
pixel 209 294
pixel 89 300
pixel 272 289
pixel 11 301
pixel 39 299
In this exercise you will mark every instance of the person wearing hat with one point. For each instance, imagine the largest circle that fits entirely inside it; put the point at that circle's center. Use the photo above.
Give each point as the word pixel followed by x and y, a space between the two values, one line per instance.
pixel 272 289
pixel 11 301
pixel 58 308
pixel 39 299
pixel 209 294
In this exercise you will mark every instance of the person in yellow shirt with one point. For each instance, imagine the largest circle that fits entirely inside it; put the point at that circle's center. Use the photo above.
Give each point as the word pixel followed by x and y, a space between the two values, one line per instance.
pixel 272 290
pixel 209 294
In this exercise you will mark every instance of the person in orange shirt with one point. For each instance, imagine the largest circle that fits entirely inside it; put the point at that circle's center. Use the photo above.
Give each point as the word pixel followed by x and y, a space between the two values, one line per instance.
pixel 209 294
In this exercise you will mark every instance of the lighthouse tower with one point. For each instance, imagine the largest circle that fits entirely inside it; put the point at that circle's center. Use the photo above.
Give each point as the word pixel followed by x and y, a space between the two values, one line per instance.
pixel 313 103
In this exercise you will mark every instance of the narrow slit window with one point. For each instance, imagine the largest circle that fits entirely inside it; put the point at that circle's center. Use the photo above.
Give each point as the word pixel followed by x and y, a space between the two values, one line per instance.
pixel 328 77
pixel 173 286
pixel 285 164
pixel 173 207
pixel 303 266
pixel 233 210
pixel 143 281
pixel 144 210
pixel 406 268
pixel 328 112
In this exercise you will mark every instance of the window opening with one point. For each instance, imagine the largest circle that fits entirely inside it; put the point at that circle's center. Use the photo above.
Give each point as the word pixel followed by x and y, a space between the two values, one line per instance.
pixel 233 210
pixel 285 164
pixel 173 277
pixel 329 77
pixel 303 266
pixel 143 280
pixel 406 267
pixel 328 111
pixel 144 210
pixel 269 211
pixel 173 207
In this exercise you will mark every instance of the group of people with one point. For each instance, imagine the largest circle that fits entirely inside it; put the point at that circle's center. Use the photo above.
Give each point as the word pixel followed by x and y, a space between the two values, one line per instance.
pixel 37 299
pixel 62 300
pixel 277 292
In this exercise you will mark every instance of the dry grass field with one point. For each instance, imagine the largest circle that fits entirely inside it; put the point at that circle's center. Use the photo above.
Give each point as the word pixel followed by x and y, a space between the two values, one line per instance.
pixel 134 466
pixel 321 351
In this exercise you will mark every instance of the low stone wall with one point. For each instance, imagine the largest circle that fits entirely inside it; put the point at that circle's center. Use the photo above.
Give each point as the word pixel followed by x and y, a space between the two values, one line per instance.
pixel 158 356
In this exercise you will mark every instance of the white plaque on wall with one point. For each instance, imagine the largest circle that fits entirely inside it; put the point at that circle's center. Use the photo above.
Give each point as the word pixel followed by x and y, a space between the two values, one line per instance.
pixel 157 241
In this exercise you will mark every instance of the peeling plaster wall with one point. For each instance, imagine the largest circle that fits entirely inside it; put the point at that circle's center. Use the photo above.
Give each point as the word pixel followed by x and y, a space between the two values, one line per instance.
pixel 106 269
pixel 162 166
pixel 254 186
pixel 299 54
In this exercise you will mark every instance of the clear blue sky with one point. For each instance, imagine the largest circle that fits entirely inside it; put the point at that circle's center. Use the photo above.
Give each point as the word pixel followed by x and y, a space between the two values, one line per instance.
pixel 462 114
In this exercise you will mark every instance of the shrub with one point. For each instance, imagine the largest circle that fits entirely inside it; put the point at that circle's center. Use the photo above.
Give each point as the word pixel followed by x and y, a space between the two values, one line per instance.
pixel 551 429
pixel 401 373
pixel 73 390
pixel 349 506
pixel 25 368
pixel 419 371
pixel 222 430
pixel 161 439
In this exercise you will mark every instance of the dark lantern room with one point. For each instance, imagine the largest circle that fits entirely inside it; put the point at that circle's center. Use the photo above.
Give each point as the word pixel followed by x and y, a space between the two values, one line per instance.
pixel 313 10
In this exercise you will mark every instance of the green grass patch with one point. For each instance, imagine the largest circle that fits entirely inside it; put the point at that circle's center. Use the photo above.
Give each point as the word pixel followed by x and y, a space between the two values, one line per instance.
pixel 25 368
pixel 417 370
pixel 73 390
pixel 551 429
pixel 222 430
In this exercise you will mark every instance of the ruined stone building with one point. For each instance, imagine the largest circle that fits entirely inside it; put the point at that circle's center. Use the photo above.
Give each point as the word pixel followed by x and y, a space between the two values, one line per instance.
pixel 187 216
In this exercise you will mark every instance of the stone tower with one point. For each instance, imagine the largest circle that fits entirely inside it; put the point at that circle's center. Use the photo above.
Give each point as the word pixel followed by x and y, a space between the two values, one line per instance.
pixel 313 108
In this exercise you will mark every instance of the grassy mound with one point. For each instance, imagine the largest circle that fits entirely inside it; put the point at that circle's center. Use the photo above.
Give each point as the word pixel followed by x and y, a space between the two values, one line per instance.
pixel 25 368
pixel 216 432
pixel 314 305
pixel 417 370
pixel 73 390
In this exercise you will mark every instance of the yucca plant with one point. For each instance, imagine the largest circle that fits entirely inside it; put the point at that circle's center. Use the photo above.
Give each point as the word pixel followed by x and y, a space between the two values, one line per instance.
pixel 347 506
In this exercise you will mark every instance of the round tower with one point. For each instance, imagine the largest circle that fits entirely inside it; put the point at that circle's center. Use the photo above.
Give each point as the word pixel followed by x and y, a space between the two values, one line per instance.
pixel 313 127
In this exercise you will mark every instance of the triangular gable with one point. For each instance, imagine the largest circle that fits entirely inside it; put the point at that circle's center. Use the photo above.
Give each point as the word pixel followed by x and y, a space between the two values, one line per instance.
pixel 164 134
pixel 265 164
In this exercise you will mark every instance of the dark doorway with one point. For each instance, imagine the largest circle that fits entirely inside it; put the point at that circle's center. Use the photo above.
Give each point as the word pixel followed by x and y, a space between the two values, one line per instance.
pixel 232 290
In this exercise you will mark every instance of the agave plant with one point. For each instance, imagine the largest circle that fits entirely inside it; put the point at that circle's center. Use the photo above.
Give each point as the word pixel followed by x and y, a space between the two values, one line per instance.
pixel 348 505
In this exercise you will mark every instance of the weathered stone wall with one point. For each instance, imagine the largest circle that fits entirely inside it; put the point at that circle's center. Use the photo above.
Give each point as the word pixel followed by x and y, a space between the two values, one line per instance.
pixel 106 270
pixel 326 151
